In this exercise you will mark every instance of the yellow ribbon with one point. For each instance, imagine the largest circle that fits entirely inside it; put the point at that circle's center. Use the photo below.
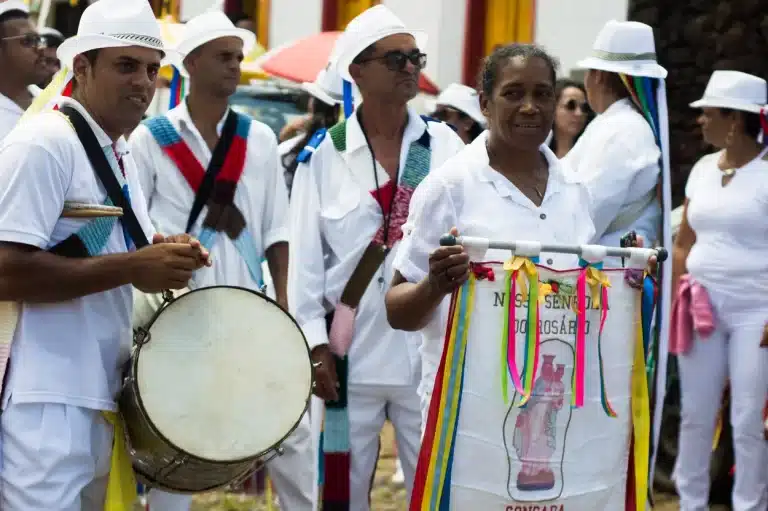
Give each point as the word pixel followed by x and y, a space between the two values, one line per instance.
pixel 121 485
pixel 595 280
pixel 641 418
pixel 521 263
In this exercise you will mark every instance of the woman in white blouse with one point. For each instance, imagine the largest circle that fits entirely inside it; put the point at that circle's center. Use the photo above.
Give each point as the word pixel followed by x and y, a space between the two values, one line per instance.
pixel 506 185
pixel 722 246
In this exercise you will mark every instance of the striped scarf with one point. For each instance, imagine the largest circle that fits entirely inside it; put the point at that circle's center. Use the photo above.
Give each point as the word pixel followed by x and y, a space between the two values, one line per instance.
pixel 222 215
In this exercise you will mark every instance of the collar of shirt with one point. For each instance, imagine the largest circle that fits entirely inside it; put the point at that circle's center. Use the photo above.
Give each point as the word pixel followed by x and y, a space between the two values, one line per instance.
pixel 9 105
pixel 616 108
pixel 356 139
pixel 478 152
pixel 120 147
pixel 181 112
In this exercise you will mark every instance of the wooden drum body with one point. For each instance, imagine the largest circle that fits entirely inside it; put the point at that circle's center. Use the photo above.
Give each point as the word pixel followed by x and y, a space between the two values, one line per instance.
pixel 217 380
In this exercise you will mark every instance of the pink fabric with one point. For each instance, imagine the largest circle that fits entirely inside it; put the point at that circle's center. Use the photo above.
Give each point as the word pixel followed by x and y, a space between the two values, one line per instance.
pixel 342 329
pixel 691 312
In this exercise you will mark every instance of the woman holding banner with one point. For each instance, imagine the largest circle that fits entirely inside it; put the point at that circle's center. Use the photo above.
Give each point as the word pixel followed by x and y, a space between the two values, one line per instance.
pixel 721 246
pixel 507 183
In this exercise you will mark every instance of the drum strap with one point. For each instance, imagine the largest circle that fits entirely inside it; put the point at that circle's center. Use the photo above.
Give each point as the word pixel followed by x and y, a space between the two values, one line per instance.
pixel 341 322
pixel 215 186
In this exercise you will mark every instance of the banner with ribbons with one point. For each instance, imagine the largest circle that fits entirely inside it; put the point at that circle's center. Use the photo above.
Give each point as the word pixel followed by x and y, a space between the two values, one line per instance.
pixel 541 397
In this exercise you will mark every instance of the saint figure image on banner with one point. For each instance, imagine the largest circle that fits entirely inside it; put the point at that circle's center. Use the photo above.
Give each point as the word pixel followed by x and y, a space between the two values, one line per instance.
pixel 535 433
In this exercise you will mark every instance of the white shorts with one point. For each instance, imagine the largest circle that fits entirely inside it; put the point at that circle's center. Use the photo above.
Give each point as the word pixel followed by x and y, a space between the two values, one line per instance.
pixel 54 457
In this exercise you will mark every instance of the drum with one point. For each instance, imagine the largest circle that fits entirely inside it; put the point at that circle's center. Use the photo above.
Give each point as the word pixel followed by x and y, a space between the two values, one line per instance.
pixel 217 379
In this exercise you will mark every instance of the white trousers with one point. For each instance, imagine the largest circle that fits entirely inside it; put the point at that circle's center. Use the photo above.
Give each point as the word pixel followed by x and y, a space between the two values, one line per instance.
pixel 293 475
pixel 732 352
pixel 369 407
pixel 55 457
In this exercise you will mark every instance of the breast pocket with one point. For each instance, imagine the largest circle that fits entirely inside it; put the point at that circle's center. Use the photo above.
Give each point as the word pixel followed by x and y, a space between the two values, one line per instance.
pixel 342 219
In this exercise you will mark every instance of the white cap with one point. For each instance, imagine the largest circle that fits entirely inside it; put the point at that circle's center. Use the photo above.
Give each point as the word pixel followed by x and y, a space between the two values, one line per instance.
pixel 204 28
pixel 113 24
pixel 734 90
pixel 625 47
pixel 13 5
pixel 464 99
pixel 327 86
pixel 371 25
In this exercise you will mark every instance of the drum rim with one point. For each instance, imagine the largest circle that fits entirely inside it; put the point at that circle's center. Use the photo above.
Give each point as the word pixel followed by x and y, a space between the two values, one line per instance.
pixel 136 353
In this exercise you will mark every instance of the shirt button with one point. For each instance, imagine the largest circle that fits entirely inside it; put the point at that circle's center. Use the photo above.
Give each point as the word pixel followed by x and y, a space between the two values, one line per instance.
pixel 543 216
pixel 550 262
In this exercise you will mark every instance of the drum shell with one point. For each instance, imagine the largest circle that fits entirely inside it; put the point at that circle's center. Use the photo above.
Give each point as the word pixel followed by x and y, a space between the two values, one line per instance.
pixel 159 464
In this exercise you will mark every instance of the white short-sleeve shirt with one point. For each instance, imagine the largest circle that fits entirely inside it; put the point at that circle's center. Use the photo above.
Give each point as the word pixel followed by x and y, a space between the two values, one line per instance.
pixel 731 226
pixel 468 194
pixel 69 352
pixel 261 195
pixel 334 217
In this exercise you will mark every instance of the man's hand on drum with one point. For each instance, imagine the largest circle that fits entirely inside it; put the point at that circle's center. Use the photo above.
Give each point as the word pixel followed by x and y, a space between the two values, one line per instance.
pixel 184 238
pixel 326 383
pixel 448 267
pixel 167 263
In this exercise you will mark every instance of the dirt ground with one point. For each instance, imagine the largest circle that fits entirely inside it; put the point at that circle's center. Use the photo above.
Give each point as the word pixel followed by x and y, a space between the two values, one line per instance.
pixel 386 496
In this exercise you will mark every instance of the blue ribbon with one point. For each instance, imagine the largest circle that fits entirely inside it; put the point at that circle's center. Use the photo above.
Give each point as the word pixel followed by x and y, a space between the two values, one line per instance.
pixel 348 104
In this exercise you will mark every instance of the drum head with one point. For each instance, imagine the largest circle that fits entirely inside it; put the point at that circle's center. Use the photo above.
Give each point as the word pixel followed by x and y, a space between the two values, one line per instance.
pixel 226 374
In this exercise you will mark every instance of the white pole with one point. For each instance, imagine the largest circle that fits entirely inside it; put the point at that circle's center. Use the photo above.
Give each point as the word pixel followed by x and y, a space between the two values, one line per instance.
pixel 42 16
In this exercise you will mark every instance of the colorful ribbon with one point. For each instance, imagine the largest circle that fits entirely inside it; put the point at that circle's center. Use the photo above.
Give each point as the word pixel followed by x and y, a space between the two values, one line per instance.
pixel 177 89
pixel 432 484
pixel 121 484
pixel 523 380
pixel 641 418
pixel 598 283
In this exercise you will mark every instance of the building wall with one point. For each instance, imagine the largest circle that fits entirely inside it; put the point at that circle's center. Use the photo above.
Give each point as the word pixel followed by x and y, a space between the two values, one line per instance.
pixel 565 28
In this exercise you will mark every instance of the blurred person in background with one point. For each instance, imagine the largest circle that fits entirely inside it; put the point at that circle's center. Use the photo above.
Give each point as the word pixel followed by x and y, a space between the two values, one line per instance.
pixel 720 275
pixel 21 62
pixel 52 38
pixel 325 97
pixel 571 117
pixel 459 106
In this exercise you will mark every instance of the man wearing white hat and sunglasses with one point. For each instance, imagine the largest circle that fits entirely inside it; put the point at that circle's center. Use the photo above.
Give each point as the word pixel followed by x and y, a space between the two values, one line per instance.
pixel 61 438
pixel 350 198
pixel 212 49
pixel 623 159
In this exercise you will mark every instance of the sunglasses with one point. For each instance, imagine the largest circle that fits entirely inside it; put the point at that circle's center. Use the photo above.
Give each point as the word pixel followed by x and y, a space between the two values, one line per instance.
pixel 396 60
pixel 29 40
pixel 571 105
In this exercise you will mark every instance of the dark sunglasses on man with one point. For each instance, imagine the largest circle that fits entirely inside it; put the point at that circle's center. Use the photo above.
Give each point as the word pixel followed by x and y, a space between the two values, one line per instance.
pixel 396 60
pixel 571 105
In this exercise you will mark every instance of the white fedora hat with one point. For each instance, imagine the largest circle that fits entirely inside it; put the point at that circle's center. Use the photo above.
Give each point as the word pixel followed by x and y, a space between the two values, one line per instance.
pixel 625 47
pixel 734 90
pixel 13 5
pixel 371 25
pixel 208 26
pixel 462 98
pixel 327 86
pixel 113 24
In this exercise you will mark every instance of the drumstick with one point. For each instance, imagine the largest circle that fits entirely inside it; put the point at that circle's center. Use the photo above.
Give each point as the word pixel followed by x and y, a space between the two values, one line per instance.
pixel 74 209
pixel 531 247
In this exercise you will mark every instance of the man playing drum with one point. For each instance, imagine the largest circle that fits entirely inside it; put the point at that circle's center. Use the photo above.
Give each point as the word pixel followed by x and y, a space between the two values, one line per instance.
pixel 349 201
pixel 240 215
pixel 61 438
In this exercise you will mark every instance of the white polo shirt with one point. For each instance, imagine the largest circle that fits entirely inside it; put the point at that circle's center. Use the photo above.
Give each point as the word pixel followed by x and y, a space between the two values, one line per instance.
pixel 468 194
pixel 69 352
pixel 10 113
pixel 334 217
pixel 731 226
pixel 261 194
